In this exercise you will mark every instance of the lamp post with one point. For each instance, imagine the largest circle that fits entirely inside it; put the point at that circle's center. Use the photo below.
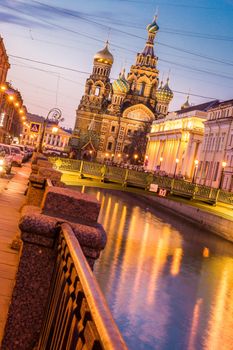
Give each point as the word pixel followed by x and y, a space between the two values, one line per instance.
pixel 160 161
pixel 54 115
pixel 195 170
pixel 222 174
pixel 177 161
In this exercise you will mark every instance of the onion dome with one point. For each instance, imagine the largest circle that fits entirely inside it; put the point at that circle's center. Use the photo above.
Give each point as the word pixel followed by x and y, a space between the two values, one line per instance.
pixel 121 85
pixel 164 93
pixel 186 104
pixel 153 27
pixel 104 56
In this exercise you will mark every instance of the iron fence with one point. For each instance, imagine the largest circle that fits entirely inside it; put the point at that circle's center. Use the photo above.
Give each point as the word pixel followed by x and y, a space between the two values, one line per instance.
pixel 128 177
pixel 77 315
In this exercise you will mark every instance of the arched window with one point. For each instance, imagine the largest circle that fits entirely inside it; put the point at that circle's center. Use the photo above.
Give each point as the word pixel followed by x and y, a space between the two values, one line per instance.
pixel 142 89
pixel 97 91
pixel 89 86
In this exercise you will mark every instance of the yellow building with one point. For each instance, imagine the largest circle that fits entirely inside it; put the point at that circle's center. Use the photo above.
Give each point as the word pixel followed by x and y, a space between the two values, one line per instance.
pixel 54 138
pixel 110 113
pixel 216 158
pixel 174 141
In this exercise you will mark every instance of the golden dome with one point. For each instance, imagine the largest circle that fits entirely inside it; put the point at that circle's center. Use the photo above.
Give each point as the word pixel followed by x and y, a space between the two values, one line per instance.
pixel 164 93
pixel 104 56
pixel 121 85
pixel 186 104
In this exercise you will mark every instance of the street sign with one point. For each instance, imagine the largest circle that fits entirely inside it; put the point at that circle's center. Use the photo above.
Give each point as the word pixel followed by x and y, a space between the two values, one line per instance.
pixel 35 127
pixel 162 192
pixel 153 188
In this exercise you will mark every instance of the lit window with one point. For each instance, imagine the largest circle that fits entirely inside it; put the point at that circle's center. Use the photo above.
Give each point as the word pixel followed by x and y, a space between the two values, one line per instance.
pixel 97 91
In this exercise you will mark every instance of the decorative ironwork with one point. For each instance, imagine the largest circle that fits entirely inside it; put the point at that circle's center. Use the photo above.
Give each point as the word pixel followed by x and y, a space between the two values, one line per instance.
pixel 115 174
pixel 94 169
pixel 77 316
pixel 143 180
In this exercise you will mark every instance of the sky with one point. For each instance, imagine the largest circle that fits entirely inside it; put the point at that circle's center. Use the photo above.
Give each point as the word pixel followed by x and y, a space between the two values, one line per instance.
pixel 51 45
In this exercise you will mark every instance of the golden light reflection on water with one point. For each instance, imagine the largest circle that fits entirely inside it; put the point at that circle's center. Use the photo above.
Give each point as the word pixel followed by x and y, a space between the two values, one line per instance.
pixel 176 262
pixel 219 332
pixel 194 325
pixel 149 266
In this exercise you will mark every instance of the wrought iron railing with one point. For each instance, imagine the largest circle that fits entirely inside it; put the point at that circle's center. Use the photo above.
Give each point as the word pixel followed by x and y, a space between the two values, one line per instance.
pixel 77 315
pixel 128 177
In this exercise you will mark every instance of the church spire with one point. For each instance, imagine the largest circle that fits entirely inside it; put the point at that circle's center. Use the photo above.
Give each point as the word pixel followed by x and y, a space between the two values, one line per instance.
pixel 148 57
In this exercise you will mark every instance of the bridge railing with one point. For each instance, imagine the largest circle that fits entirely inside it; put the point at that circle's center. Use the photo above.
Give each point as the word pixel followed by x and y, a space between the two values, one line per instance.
pixel 128 177
pixel 77 316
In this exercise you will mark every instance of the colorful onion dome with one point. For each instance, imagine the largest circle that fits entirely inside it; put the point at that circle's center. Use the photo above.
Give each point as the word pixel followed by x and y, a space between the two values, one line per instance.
pixel 164 93
pixel 121 85
pixel 186 104
pixel 104 56
pixel 153 27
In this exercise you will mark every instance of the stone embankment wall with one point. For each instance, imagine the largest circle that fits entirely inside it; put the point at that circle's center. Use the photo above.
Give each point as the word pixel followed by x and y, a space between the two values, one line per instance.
pixel 46 207
pixel 217 224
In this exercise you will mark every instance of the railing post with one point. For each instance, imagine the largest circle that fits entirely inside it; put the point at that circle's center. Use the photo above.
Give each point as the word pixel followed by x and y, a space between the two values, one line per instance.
pixel 195 189
pixel 103 172
pixel 124 184
pixel 81 170
pixel 172 185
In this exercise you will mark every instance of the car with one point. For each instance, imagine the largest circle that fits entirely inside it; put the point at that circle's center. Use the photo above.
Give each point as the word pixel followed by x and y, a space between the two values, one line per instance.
pixel 17 155
pixel 24 152
pixel 6 153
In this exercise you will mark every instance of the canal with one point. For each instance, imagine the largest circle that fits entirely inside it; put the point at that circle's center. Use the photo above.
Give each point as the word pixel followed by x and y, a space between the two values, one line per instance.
pixel 168 283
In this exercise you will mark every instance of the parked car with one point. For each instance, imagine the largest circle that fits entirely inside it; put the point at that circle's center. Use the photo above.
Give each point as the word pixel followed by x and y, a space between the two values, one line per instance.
pixel 24 152
pixel 8 158
pixel 17 155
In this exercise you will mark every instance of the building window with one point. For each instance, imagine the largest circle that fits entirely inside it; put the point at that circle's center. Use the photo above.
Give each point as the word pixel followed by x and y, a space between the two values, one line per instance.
pixel 231 140
pixel 97 91
pixel 216 171
pixel 113 128
pixel 109 147
pixel 142 89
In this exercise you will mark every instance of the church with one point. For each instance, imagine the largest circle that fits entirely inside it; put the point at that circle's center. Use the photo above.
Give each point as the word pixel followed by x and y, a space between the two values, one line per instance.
pixel 109 114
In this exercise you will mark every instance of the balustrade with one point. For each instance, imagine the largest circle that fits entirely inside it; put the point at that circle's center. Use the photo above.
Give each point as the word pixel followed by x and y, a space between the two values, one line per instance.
pixel 77 315
pixel 127 177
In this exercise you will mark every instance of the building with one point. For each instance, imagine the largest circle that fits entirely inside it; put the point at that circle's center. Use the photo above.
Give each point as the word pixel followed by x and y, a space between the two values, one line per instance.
pixel 12 110
pixel 54 137
pixel 4 62
pixel 175 140
pixel 216 156
pixel 110 113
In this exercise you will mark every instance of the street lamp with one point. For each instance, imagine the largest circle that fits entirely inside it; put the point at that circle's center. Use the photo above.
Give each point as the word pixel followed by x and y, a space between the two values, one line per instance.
pixel 195 170
pixel 177 161
pixel 54 115
pixel 160 160
pixel 222 173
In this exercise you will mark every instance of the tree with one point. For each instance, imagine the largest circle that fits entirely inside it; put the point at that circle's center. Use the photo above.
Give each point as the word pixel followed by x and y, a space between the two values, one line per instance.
pixel 137 148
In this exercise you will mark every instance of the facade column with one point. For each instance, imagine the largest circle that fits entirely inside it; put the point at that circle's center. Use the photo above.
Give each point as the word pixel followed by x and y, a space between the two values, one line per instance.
pixel 189 161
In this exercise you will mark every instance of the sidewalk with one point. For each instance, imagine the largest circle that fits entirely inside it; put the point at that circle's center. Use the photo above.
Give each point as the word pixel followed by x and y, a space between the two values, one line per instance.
pixel 11 199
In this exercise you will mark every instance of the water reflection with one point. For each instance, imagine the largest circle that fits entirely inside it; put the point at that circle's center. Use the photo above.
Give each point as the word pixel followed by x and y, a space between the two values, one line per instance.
pixel 169 286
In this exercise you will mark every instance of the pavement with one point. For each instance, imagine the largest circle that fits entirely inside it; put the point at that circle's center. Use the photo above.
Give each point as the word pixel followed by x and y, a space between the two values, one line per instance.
pixel 11 200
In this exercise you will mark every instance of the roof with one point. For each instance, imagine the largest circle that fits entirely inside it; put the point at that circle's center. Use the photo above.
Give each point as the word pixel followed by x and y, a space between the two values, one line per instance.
pixel 35 118
pixel 222 103
pixel 201 107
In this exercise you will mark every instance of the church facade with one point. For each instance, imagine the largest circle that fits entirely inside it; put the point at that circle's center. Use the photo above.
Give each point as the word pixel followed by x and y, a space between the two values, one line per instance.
pixel 109 114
